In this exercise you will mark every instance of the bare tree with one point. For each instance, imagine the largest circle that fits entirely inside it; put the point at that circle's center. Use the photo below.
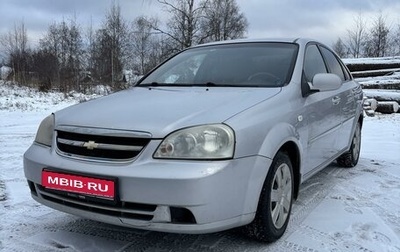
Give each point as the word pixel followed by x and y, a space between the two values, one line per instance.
pixel 90 47
pixel 145 45
pixel 15 46
pixel 46 65
pixel 395 41
pixel 111 47
pixel 340 48
pixel 64 42
pixel 223 20
pixel 356 37
pixel 377 44
pixel 50 45
pixel 75 49
pixel 183 28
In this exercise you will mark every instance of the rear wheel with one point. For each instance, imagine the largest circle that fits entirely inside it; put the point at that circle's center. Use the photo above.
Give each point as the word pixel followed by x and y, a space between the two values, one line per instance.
pixel 350 158
pixel 275 202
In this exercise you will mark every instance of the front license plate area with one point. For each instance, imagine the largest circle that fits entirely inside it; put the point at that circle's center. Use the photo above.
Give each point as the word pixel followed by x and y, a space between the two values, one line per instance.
pixel 81 187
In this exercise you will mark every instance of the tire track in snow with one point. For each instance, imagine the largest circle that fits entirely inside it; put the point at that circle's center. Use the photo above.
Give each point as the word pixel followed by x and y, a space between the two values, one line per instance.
pixel 337 241
pixel 311 194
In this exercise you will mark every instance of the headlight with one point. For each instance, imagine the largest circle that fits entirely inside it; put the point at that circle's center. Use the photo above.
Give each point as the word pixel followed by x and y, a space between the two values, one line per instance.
pixel 215 141
pixel 44 134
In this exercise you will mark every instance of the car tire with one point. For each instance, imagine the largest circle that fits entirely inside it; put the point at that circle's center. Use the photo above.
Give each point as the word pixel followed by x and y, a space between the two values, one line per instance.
pixel 275 203
pixel 350 158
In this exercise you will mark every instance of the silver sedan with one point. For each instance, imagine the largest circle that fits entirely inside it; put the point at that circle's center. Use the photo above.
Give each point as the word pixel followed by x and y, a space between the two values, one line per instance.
pixel 219 136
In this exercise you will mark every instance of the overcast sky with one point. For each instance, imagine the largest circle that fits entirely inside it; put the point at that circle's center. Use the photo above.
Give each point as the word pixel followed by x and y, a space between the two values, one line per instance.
pixel 325 20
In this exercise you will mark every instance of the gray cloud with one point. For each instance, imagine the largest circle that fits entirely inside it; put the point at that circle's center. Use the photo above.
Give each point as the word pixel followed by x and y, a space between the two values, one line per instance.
pixel 323 19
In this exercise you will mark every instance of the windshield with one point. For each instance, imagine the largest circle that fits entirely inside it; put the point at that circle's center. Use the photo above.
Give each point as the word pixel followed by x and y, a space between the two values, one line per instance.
pixel 245 64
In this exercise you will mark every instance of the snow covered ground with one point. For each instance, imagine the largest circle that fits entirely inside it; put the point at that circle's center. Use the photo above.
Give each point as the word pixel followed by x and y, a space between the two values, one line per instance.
pixel 338 209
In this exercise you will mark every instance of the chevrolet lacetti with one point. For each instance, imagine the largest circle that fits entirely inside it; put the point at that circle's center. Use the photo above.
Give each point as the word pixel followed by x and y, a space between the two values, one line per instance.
pixel 219 136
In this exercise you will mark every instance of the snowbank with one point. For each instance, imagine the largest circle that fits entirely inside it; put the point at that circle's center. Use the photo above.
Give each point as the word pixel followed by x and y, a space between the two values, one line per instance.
pixel 14 98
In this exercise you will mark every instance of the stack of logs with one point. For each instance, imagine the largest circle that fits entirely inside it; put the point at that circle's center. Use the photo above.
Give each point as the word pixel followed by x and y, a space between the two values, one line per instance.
pixel 385 107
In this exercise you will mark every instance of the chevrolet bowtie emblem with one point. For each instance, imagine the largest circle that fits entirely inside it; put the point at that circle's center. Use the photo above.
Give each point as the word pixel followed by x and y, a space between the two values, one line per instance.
pixel 90 145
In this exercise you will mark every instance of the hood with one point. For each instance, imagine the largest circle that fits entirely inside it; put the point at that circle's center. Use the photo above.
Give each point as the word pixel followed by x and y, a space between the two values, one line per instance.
pixel 161 110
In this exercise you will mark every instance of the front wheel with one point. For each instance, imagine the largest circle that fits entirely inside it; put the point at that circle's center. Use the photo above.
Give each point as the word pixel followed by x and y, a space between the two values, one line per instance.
pixel 350 158
pixel 275 203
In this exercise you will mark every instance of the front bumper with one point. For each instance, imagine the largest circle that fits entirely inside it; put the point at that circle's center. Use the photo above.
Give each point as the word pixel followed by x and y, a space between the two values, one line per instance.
pixel 161 195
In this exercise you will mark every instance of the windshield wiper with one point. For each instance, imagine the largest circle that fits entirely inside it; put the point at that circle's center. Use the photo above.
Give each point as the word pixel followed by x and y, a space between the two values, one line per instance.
pixel 203 84
pixel 210 84
pixel 152 84
pixel 155 84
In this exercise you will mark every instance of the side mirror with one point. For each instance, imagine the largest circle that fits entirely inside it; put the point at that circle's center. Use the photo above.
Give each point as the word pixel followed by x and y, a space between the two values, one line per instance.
pixel 326 82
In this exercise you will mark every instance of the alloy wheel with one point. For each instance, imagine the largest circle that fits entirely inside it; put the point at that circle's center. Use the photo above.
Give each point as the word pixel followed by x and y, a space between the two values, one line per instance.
pixel 281 195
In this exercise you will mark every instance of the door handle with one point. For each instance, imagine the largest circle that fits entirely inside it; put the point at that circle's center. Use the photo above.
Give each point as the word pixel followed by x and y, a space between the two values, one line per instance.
pixel 336 100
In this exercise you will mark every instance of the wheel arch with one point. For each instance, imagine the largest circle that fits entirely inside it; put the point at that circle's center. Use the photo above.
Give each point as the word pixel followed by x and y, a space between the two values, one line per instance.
pixel 261 226
pixel 292 150
pixel 361 119
pixel 285 138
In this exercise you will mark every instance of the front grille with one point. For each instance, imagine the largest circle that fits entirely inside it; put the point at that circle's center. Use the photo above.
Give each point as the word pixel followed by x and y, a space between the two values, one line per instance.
pixel 100 146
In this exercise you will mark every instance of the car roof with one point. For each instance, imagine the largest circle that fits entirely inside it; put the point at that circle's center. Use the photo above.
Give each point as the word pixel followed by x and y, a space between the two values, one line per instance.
pixel 302 41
